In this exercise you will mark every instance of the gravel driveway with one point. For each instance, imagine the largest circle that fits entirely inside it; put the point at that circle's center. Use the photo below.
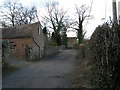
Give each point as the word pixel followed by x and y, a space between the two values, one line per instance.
pixel 50 72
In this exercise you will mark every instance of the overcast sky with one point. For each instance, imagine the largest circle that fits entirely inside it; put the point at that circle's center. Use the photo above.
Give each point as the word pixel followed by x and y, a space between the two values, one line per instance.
pixel 98 10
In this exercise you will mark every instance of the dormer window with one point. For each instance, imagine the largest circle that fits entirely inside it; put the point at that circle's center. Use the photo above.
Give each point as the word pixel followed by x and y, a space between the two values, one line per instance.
pixel 39 31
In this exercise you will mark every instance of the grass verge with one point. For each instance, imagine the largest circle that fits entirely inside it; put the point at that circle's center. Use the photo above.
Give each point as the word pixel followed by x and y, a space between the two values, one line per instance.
pixel 82 71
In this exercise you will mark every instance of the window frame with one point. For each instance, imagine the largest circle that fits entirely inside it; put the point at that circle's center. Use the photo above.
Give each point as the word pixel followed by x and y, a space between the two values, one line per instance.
pixel 13 45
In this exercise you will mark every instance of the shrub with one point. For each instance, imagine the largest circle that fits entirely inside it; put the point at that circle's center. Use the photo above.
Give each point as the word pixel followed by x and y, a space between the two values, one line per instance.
pixel 5 54
pixel 105 48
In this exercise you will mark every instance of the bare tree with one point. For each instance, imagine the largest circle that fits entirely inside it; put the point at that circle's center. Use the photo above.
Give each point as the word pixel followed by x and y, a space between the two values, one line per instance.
pixel 82 14
pixel 14 13
pixel 9 11
pixel 57 18
pixel 26 15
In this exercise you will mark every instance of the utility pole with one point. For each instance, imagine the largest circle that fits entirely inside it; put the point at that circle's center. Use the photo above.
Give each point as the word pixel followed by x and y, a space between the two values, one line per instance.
pixel 115 23
pixel 119 12
pixel 114 13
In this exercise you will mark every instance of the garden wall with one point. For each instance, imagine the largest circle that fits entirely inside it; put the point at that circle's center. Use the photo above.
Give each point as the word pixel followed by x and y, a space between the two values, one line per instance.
pixel 53 50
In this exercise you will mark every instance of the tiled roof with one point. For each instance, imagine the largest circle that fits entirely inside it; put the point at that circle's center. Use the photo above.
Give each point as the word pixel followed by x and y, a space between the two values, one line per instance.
pixel 22 31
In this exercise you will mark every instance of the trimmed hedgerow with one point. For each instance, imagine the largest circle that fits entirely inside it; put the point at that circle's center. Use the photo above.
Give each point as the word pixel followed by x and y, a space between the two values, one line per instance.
pixel 105 61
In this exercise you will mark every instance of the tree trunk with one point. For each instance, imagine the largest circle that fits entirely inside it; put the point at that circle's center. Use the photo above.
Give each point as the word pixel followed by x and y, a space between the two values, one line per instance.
pixel 80 33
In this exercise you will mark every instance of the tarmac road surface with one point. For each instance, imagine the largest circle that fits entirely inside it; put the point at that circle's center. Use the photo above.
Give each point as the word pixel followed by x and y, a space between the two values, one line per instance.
pixel 50 72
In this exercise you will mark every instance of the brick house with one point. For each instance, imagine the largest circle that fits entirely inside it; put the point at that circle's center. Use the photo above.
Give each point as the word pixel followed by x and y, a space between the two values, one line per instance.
pixel 71 41
pixel 25 40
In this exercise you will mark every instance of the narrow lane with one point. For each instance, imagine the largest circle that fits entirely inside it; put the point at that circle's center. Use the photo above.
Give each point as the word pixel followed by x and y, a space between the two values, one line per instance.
pixel 52 72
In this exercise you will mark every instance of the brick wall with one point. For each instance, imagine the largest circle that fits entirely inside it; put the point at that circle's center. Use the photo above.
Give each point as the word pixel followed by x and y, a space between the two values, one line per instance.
pixel 21 43
pixel 53 50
